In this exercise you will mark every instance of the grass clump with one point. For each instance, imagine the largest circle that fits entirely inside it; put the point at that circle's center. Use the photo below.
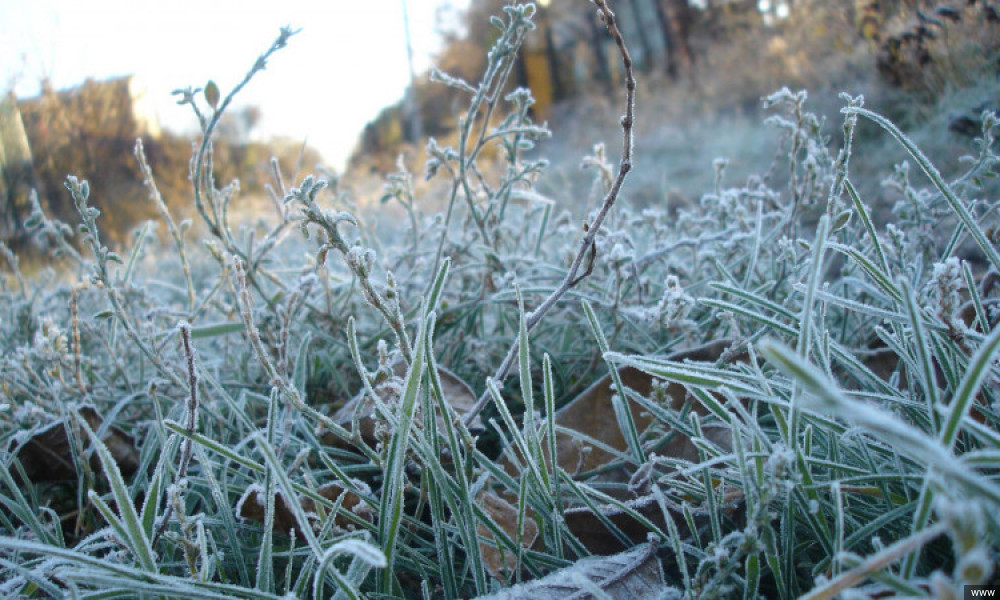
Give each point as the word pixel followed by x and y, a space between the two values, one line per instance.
pixel 804 399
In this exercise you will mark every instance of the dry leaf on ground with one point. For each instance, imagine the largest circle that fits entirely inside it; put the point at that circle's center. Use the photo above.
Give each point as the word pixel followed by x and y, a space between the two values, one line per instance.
pixel 48 455
pixel 589 526
pixel 591 414
pixel 501 564
pixel 457 393
pixel 251 506
pixel 633 575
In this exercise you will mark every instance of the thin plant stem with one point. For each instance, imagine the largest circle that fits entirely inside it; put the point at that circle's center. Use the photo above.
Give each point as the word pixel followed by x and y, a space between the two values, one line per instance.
pixel 587 245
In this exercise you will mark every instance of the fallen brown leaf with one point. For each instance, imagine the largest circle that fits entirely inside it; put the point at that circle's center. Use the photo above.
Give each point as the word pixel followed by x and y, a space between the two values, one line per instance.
pixel 47 454
pixel 590 415
pixel 457 393
pixel 633 575
pixel 501 564
pixel 252 504
pixel 589 526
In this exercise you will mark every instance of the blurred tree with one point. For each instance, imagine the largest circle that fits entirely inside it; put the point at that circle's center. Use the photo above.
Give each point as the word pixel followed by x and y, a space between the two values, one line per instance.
pixel 675 18
pixel 730 52
pixel 236 126
pixel 637 24
pixel 90 131
pixel 928 47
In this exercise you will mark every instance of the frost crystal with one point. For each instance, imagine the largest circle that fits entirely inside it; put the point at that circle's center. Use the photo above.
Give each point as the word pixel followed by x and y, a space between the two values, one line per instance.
pixel 675 304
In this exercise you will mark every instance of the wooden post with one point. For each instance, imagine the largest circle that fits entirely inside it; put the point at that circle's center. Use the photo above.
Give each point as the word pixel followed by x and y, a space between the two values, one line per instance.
pixel 17 173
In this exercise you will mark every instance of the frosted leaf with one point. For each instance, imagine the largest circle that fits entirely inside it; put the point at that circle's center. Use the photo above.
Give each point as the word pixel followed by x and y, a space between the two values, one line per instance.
pixel 632 575
pixel 975 566
pixel 360 549
pixel 675 305
pixel 947 283
pixel 254 493
pixel 781 460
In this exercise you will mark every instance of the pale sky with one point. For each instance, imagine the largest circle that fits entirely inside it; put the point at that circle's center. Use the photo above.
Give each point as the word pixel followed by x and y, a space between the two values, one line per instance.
pixel 347 63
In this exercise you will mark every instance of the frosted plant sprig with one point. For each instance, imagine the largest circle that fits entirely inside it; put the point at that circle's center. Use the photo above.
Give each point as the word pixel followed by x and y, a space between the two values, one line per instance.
pixel 500 61
pixel 946 286
pixel 957 205
pixel 80 191
pixel 192 529
pixel 587 244
pixel 675 305
pixel 201 177
pixel 461 162
pixel 796 130
pixel 212 203
pixel 74 311
pixel 844 156
pixel 400 187
pixel 986 163
pixel 276 234
pixel 177 233
pixel 14 264
pixel 191 411
pixel 516 134
pixel 279 381
pixel 54 232
pixel 359 260
pixel 808 158
pixel 598 160
pixel 305 196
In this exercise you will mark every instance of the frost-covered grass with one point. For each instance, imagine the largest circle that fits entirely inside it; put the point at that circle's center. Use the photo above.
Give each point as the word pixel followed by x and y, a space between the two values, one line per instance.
pixel 854 379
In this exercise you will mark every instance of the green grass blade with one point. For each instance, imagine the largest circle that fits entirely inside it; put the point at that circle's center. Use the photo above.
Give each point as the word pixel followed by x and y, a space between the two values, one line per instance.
pixel 618 402
pixel 869 227
pixel 391 504
pixel 980 366
pixel 222 504
pixel 753 299
pixel 133 531
pixel 454 430
pixel 265 554
pixel 803 344
pixel 363 551
pixel 217 329
pixel 881 278
pixel 977 301
pixel 285 487
pixel 828 396
pixel 921 346
pixel 437 287
pixel 527 392
pixel 519 442
pixel 214 446
pixel 684 373
pixel 88 570
pixel 133 255
pixel 19 507
pixel 935 176
pixel 151 504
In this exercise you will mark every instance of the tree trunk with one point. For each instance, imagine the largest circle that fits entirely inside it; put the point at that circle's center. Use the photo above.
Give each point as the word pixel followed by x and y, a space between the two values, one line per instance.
pixel 646 59
pixel 598 38
pixel 677 19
